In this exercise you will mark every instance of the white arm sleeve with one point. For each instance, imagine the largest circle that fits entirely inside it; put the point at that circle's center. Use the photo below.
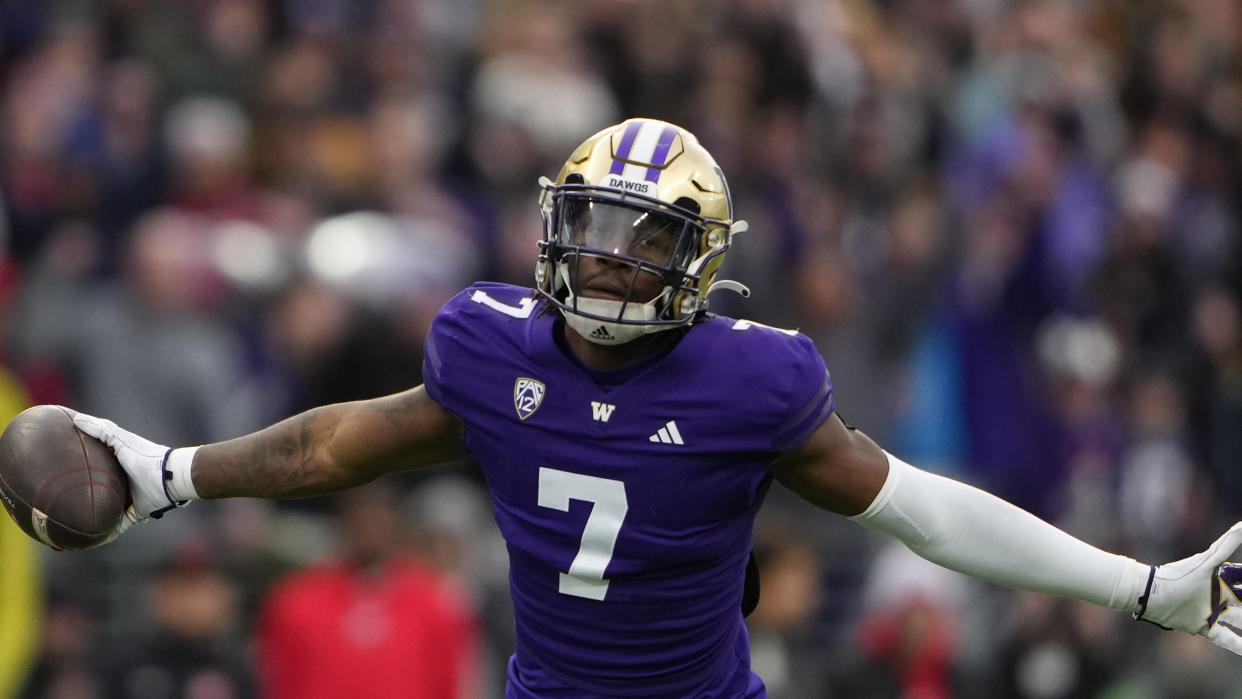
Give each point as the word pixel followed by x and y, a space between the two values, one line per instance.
pixel 968 530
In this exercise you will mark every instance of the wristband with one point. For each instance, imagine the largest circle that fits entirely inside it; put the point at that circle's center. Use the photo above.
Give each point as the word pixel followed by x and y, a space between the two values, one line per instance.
pixel 178 482
pixel 1146 596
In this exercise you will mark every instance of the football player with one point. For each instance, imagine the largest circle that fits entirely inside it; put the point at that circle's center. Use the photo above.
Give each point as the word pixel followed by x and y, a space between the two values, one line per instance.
pixel 628 437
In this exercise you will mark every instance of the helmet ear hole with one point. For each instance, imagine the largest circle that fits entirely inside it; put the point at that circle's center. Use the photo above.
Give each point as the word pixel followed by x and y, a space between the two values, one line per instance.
pixel 688 204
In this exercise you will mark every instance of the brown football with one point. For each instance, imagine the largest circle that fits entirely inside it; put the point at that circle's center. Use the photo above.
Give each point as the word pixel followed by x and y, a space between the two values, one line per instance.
pixel 63 487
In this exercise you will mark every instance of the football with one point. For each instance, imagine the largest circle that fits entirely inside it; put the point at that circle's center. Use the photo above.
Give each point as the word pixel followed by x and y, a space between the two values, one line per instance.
pixel 62 487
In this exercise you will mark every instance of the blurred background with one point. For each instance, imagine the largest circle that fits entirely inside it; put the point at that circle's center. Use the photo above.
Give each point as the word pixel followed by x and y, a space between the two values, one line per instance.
pixel 1012 227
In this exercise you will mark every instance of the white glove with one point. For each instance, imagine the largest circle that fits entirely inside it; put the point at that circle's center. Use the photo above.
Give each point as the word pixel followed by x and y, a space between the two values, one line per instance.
pixel 146 464
pixel 1197 593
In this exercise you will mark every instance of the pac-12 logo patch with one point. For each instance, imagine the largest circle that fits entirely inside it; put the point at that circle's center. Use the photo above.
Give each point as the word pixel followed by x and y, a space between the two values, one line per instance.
pixel 527 396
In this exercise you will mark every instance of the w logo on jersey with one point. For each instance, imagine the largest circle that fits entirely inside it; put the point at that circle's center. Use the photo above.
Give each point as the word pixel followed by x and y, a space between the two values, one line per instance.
pixel 527 396
pixel 600 412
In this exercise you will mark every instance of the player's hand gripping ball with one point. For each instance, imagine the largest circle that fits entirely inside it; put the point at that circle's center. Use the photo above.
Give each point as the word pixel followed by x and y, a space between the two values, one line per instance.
pixel 63 487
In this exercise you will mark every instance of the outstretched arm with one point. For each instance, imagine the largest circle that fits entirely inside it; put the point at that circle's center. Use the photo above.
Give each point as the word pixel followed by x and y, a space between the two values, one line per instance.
pixel 971 531
pixel 319 451
pixel 331 448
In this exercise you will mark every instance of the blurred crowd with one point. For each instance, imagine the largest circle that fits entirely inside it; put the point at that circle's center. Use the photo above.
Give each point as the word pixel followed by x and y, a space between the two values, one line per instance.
pixel 1014 229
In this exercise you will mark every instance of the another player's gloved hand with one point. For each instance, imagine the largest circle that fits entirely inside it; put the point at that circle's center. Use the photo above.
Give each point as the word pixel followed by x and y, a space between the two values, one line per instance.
pixel 146 464
pixel 1197 594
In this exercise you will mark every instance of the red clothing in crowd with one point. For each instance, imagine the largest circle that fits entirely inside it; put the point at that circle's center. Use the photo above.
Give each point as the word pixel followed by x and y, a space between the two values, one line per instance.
pixel 394 630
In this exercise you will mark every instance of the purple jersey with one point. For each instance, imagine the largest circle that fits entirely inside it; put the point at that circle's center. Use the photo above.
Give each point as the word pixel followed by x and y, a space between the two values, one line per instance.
pixel 626 500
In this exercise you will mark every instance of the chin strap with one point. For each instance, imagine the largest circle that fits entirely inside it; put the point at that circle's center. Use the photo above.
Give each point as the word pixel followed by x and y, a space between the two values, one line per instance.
pixel 603 332
pixel 606 332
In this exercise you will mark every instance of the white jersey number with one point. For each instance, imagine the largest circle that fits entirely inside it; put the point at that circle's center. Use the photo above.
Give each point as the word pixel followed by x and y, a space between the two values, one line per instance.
pixel 748 324
pixel 523 310
pixel 586 574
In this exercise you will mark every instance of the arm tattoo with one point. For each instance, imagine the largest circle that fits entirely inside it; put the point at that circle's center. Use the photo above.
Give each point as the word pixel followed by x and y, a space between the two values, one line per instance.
pixel 330 448
pixel 397 410
pixel 276 462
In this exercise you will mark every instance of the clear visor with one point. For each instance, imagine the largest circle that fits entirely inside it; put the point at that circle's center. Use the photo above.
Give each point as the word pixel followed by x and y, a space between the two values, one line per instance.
pixel 641 236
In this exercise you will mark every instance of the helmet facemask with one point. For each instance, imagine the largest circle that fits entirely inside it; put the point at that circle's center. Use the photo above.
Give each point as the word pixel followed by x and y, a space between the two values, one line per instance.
pixel 615 263
pixel 644 200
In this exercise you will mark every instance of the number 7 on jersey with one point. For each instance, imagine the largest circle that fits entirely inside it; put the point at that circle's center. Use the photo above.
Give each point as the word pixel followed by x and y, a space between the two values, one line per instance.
pixel 586 573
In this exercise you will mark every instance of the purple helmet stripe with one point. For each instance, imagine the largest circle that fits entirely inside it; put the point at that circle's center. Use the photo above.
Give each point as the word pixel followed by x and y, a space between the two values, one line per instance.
pixel 623 152
pixel 661 153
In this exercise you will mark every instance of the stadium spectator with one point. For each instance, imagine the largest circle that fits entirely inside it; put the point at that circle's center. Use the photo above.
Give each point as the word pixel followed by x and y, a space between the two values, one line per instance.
pixel 190 646
pixel 372 621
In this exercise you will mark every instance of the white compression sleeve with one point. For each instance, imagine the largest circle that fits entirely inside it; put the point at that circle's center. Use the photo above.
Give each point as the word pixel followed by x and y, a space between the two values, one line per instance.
pixel 971 531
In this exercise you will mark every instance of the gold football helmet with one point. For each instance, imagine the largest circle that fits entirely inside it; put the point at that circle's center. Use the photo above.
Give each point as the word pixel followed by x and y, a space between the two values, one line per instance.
pixel 645 199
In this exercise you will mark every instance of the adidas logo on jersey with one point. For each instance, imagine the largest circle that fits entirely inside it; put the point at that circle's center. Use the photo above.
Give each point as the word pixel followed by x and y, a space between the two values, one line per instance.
pixel 667 434
pixel 601 333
